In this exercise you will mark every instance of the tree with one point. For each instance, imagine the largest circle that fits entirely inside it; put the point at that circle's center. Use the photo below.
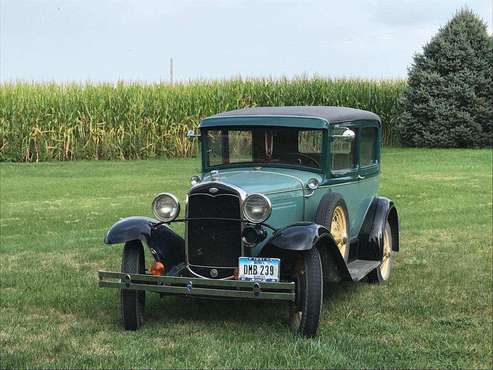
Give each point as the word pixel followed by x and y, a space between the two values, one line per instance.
pixel 449 98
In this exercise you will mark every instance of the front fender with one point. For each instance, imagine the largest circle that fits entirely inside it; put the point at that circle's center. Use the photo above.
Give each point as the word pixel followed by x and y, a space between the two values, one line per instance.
pixel 130 228
pixel 165 245
pixel 297 237
pixel 305 236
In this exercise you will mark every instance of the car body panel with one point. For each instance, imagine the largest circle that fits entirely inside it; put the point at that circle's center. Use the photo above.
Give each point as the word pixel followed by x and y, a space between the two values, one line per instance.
pixel 358 195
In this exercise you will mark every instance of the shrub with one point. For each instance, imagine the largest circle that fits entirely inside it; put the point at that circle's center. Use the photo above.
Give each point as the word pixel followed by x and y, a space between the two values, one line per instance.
pixel 448 101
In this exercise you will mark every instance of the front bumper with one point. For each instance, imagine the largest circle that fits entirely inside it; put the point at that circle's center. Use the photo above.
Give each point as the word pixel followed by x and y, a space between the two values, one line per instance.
pixel 198 287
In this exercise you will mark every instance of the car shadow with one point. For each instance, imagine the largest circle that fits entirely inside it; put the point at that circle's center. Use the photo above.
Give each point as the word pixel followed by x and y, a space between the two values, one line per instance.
pixel 176 309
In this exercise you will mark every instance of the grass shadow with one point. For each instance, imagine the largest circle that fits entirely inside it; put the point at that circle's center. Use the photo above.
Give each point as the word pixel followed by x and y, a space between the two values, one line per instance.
pixel 178 309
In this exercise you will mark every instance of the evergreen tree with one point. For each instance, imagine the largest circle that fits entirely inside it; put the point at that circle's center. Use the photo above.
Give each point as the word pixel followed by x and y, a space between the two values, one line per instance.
pixel 449 98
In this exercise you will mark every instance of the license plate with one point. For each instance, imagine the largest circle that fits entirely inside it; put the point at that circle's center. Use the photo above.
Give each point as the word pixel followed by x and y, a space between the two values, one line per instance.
pixel 259 269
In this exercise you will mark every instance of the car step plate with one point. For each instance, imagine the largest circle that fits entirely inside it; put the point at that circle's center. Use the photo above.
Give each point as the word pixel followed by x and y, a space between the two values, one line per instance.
pixel 259 269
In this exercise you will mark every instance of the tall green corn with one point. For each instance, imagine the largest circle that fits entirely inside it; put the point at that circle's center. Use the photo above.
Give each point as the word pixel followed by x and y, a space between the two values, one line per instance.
pixel 41 122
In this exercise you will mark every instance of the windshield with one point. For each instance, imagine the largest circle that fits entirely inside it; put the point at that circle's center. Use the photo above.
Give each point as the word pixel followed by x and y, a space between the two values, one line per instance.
pixel 264 145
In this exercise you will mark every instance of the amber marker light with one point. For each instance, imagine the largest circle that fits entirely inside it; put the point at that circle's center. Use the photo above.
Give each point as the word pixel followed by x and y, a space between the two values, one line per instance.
pixel 157 268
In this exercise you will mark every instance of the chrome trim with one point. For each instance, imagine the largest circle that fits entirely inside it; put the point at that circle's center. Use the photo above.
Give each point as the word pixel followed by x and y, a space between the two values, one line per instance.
pixel 177 206
pixel 215 175
pixel 243 194
pixel 309 195
pixel 282 191
pixel 269 203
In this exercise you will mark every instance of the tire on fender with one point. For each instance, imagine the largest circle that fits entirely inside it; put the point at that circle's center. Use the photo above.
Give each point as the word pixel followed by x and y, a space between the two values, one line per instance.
pixel 305 312
pixel 132 301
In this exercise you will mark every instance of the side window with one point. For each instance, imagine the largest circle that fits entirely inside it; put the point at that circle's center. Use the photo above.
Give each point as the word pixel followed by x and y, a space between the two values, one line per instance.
pixel 342 152
pixel 368 142
pixel 310 141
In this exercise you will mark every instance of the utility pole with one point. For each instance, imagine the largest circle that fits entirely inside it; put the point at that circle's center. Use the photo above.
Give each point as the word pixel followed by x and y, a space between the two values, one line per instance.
pixel 171 70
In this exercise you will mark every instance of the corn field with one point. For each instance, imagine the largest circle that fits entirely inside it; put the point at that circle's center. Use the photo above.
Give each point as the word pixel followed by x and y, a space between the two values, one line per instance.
pixel 43 122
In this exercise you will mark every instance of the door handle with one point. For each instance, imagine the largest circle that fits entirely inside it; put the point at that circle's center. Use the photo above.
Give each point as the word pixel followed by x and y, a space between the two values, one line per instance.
pixel 360 177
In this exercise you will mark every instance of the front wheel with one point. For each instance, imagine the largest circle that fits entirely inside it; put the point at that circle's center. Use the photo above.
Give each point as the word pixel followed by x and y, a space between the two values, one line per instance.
pixel 133 301
pixel 304 313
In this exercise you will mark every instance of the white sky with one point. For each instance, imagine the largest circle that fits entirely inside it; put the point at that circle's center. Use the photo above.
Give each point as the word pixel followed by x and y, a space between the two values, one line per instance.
pixel 110 40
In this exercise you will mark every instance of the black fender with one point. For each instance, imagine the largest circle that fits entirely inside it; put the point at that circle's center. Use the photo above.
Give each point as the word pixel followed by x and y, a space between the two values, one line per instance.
pixel 130 228
pixel 165 245
pixel 370 238
pixel 305 236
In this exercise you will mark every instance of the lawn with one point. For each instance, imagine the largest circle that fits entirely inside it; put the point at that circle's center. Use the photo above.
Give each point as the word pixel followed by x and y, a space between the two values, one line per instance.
pixel 436 311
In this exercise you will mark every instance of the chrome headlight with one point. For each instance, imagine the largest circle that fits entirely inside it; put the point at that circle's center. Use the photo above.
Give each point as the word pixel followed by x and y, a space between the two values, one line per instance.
pixel 257 208
pixel 165 207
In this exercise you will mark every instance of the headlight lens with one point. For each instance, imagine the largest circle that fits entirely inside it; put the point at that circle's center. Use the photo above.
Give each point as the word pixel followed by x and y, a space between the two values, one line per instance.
pixel 257 208
pixel 165 207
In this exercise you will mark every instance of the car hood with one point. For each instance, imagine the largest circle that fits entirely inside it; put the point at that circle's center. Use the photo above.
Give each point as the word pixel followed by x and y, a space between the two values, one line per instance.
pixel 265 180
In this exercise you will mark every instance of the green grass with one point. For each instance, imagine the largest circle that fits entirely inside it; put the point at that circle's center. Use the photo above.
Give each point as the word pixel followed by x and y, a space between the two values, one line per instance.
pixel 436 311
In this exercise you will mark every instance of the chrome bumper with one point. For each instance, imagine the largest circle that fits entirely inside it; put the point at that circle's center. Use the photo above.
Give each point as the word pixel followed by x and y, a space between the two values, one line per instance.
pixel 198 287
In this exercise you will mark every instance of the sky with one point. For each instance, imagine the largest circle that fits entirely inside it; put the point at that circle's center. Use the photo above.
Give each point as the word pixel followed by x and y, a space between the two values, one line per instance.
pixel 133 40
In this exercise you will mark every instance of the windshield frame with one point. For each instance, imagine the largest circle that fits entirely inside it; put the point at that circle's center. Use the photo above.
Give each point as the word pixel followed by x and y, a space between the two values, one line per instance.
pixel 207 168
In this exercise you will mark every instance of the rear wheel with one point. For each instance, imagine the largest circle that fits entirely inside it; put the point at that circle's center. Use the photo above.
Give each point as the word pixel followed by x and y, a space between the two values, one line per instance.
pixel 304 313
pixel 132 301
pixel 382 272
pixel 332 213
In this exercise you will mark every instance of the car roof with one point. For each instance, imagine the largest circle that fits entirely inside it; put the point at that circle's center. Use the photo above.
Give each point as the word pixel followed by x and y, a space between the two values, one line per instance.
pixel 305 115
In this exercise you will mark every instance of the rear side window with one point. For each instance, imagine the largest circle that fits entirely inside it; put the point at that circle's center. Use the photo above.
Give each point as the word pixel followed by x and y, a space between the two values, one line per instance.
pixel 342 152
pixel 368 142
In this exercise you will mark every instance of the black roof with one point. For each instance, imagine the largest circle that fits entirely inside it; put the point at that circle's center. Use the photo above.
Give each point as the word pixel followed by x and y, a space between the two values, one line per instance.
pixel 331 114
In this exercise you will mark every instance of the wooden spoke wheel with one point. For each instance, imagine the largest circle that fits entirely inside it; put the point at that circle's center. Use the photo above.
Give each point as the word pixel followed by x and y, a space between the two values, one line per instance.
pixel 338 229
pixel 382 272
pixel 332 213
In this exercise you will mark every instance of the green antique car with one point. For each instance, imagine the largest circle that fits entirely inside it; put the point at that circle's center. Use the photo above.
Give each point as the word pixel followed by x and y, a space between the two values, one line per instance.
pixel 286 201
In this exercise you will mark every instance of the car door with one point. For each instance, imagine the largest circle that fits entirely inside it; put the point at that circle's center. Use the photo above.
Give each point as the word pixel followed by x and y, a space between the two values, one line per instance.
pixel 368 159
pixel 343 167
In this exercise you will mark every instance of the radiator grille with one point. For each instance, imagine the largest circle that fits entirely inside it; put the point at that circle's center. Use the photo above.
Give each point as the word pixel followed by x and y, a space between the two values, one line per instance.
pixel 214 243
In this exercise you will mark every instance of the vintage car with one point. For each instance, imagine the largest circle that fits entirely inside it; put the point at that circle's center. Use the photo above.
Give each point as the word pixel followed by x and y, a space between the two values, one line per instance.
pixel 286 201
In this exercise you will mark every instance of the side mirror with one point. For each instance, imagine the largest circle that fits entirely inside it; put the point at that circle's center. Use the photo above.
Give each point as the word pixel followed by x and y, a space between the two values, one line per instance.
pixel 192 135
pixel 347 135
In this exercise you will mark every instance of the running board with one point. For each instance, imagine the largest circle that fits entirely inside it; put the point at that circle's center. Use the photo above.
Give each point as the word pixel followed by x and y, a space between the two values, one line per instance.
pixel 358 269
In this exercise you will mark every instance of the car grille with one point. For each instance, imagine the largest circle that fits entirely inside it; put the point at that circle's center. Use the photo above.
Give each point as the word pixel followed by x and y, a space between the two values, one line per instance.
pixel 213 243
